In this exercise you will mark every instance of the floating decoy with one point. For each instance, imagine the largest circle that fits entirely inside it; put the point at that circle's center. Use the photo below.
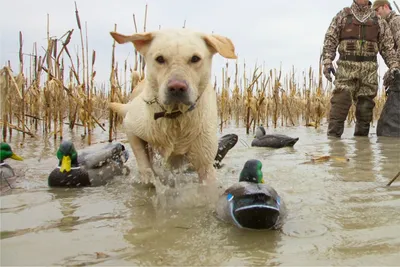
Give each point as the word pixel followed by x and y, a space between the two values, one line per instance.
pixel 250 203
pixel 272 140
pixel 7 174
pixel 94 167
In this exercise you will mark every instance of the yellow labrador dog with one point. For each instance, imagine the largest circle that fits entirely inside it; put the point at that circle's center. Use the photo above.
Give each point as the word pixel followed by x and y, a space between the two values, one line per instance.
pixel 174 109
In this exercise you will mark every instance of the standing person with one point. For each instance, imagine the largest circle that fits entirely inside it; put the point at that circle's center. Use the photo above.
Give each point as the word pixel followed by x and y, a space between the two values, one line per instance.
pixel 389 120
pixel 384 9
pixel 358 34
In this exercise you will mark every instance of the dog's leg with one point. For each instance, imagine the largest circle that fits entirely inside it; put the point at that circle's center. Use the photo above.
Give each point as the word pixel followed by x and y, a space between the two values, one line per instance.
pixel 176 161
pixel 201 155
pixel 207 174
pixel 142 159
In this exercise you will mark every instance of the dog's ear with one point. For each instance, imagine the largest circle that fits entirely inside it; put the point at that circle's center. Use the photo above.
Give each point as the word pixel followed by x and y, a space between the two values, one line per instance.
pixel 221 44
pixel 139 40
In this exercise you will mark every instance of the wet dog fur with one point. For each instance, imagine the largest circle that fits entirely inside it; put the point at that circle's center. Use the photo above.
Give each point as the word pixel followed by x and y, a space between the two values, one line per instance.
pixel 178 77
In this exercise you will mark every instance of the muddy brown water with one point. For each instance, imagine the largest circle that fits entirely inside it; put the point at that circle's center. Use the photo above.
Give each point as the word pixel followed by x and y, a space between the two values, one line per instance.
pixel 339 212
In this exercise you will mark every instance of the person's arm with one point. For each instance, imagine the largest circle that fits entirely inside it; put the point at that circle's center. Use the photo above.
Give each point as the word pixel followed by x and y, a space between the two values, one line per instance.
pixel 331 40
pixel 395 27
pixel 386 45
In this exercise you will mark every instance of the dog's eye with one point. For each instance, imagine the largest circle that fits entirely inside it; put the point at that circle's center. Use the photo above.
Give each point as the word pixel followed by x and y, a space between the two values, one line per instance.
pixel 195 59
pixel 160 59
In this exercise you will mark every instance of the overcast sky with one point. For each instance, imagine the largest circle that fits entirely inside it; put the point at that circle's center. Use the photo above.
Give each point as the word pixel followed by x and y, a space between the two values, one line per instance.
pixel 263 31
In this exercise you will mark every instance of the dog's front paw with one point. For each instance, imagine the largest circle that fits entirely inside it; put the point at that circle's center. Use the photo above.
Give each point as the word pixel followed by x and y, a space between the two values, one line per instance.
pixel 207 175
pixel 147 176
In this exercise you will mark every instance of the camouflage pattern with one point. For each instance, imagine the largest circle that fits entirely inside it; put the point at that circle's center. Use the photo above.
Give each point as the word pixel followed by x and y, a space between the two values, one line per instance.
pixel 393 21
pixel 332 42
pixel 355 81
pixel 388 77
pixel 385 46
pixel 360 78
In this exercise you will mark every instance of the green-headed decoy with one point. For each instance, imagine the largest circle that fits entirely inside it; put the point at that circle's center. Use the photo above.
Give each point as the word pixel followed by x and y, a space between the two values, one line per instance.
pixel 89 168
pixel 251 203
pixel 6 171
pixel 272 140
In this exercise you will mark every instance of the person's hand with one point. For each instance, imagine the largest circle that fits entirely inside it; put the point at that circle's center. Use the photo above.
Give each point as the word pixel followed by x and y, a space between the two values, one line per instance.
pixel 328 69
pixel 388 78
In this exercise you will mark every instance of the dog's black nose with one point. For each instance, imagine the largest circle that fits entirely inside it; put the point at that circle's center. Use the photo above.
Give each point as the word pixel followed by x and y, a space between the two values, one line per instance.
pixel 177 86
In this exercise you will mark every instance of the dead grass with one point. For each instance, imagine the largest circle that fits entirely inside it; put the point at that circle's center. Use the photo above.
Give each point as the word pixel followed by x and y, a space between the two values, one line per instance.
pixel 69 96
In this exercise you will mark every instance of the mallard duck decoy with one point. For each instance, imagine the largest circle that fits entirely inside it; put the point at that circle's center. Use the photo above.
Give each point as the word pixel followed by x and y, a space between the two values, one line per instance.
pixel 272 140
pixel 225 143
pixel 6 171
pixel 88 168
pixel 250 203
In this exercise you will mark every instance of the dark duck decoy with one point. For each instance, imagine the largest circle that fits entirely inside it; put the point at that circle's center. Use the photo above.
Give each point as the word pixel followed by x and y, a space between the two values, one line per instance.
pixel 7 174
pixel 92 167
pixel 250 203
pixel 225 143
pixel 272 140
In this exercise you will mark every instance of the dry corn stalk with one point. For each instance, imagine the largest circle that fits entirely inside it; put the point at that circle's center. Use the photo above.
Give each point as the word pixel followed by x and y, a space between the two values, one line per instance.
pixel 257 97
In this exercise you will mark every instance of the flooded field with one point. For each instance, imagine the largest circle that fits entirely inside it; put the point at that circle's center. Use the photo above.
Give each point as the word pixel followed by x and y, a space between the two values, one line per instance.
pixel 340 211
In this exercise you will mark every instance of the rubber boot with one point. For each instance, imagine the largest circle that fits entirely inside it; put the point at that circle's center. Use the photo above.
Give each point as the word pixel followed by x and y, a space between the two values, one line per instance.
pixel 364 109
pixel 340 105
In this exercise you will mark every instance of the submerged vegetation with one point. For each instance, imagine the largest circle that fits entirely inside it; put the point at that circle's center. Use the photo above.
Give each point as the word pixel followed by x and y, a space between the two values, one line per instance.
pixel 67 95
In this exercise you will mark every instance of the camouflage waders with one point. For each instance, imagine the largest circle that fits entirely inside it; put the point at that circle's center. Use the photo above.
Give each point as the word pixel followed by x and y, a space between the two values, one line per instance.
pixel 358 82
pixel 356 78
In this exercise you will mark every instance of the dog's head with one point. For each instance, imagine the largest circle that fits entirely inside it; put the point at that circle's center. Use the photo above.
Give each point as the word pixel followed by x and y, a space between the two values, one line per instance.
pixel 178 61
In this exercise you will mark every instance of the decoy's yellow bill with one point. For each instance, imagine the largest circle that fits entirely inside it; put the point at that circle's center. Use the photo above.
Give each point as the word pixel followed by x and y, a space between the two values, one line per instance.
pixel 65 164
pixel 16 157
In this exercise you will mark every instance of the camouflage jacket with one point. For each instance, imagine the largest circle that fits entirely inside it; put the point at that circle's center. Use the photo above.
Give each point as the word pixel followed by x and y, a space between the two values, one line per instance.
pixel 393 20
pixel 332 36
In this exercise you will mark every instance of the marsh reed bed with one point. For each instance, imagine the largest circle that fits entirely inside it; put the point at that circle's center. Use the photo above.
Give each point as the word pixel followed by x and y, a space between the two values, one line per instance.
pixel 274 99
pixel 59 89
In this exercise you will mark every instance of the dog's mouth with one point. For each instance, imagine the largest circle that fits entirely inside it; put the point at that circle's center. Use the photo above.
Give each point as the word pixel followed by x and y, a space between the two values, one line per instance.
pixel 175 98
pixel 178 92
pixel 182 107
pixel 177 104
pixel 173 111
